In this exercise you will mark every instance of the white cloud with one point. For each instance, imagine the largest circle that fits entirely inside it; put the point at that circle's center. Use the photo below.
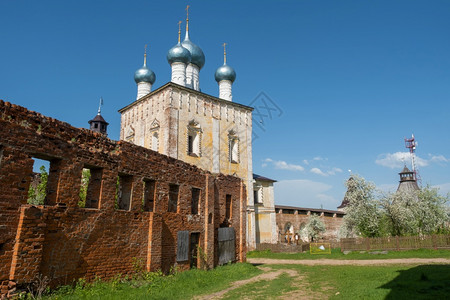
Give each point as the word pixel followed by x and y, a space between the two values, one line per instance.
pixel 280 164
pixel 318 171
pixel 306 162
pixel 398 159
pixel 444 188
pixel 304 193
pixel 334 171
pixel 439 158
pixel 318 158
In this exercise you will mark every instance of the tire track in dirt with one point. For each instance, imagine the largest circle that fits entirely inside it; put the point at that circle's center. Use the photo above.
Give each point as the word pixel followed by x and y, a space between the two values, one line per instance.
pixel 269 274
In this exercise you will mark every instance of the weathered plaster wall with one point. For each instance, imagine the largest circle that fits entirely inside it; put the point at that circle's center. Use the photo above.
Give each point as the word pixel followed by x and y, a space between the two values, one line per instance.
pixel 173 107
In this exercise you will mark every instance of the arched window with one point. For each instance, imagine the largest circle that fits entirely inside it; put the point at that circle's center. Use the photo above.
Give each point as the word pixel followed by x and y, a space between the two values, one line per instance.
pixel 129 136
pixel 155 141
pixel 154 135
pixel 194 133
pixel 257 193
pixel 233 147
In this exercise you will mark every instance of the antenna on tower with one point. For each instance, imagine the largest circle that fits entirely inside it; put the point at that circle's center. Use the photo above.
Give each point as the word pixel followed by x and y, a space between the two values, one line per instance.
pixel 411 144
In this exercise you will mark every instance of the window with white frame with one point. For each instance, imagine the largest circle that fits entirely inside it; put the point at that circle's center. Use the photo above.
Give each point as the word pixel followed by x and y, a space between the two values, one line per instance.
pixel 233 147
pixel 154 133
pixel 129 136
pixel 194 139
pixel 257 194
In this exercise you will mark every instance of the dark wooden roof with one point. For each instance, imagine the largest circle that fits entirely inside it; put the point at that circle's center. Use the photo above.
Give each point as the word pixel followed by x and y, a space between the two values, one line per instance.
pixel 311 209
pixel 262 178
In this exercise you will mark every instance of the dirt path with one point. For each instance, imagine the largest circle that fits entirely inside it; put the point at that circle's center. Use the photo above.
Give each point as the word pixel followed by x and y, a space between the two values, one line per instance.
pixel 268 275
pixel 338 262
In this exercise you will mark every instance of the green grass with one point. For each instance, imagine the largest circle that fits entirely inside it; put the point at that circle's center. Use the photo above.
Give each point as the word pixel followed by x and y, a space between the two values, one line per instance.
pixel 376 282
pixel 182 285
pixel 337 254
pixel 335 282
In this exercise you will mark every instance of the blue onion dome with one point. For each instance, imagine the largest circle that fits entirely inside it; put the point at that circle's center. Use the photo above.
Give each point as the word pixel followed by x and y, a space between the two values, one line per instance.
pixel 225 72
pixel 197 56
pixel 178 54
pixel 144 74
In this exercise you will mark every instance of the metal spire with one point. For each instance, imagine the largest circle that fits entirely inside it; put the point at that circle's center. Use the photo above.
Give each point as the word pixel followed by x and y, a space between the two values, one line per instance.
pixel 100 106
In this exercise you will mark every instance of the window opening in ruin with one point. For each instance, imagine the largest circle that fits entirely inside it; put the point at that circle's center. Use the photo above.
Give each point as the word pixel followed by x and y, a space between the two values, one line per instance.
pixel 173 197
pixel 124 189
pixel 95 125
pixel 91 184
pixel 195 201
pixel 233 147
pixel 228 207
pixel 194 249
pixel 38 182
pixel 149 195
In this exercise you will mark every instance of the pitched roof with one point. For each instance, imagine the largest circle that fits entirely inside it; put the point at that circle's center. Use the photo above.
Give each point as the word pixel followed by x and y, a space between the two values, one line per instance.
pixel 98 118
pixel 262 178
pixel 186 89
pixel 405 170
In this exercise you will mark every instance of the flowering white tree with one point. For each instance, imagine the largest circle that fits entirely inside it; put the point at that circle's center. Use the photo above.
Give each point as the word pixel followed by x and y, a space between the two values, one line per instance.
pixel 395 214
pixel 399 209
pixel 314 227
pixel 416 212
pixel 363 214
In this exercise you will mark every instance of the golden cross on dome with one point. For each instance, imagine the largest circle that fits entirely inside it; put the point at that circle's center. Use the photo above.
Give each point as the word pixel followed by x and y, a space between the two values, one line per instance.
pixel 187 17
pixel 145 55
pixel 179 30
pixel 224 53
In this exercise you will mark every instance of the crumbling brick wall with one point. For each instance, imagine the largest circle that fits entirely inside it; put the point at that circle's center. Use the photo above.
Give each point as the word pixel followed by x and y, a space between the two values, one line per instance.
pixel 332 223
pixel 64 241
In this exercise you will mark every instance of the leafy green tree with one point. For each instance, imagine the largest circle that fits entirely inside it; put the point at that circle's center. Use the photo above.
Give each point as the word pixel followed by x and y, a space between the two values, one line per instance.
pixel 314 227
pixel 37 194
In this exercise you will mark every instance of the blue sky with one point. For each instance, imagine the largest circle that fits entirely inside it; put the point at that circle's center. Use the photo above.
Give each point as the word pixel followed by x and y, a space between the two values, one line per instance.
pixel 347 80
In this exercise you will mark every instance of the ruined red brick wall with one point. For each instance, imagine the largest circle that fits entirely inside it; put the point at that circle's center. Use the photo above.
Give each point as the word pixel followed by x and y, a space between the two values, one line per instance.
pixel 63 241
pixel 332 224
